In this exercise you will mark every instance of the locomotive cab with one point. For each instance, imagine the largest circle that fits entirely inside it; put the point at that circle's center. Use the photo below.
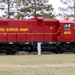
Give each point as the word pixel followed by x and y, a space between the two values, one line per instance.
pixel 66 32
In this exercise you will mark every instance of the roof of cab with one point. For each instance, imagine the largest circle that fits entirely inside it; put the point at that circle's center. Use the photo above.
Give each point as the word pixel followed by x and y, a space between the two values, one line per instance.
pixel 67 20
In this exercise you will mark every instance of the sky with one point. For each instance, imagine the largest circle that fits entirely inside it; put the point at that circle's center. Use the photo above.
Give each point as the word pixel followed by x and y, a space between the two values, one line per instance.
pixel 55 5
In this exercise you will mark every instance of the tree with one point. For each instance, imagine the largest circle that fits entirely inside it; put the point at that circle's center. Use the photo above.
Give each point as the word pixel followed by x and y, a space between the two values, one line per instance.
pixel 8 7
pixel 34 8
pixel 67 9
pixel 24 8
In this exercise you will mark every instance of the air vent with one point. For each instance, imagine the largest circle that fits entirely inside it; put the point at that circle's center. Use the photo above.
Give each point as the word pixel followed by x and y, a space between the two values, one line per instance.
pixel 49 23
pixel 3 23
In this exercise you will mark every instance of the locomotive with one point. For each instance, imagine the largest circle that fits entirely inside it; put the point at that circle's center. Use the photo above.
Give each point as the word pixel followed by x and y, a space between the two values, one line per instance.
pixel 23 35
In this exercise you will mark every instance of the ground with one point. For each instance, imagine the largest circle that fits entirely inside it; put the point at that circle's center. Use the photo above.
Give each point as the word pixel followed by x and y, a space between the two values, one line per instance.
pixel 53 64
pixel 37 66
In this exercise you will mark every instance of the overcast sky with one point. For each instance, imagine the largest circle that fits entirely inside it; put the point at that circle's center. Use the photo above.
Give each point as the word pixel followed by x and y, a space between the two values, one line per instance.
pixel 56 4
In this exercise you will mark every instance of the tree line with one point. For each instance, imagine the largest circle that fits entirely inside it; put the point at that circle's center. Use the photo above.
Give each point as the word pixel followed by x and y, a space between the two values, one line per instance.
pixel 23 8
pixel 34 8
pixel 68 8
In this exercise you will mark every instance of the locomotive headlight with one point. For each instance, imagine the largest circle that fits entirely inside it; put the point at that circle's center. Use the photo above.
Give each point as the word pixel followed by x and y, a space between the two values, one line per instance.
pixel 50 42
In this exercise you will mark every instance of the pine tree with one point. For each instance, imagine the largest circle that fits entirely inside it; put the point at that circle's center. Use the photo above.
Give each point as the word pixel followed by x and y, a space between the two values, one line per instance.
pixel 34 8
pixel 24 8
pixel 7 6
pixel 67 10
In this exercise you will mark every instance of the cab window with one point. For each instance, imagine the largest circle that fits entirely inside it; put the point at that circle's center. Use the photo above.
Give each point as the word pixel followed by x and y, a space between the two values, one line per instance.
pixel 67 26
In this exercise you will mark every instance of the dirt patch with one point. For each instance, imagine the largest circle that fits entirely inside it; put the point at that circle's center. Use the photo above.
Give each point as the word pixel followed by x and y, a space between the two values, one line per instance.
pixel 36 66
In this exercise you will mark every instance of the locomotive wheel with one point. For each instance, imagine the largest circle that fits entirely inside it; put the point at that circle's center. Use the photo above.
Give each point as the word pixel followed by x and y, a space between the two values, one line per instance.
pixel 14 50
pixel 8 52
pixel 56 51
pixel 29 49
pixel 61 49
pixel 73 50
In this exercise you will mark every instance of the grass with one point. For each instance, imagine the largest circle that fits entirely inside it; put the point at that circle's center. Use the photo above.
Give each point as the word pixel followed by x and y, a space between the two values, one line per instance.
pixel 38 71
pixel 35 59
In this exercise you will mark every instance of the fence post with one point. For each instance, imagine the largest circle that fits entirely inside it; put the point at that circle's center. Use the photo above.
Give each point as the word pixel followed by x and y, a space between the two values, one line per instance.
pixel 39 48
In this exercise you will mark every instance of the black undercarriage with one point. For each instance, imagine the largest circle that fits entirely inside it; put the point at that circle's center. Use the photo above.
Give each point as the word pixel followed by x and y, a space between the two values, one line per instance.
pixel 55 47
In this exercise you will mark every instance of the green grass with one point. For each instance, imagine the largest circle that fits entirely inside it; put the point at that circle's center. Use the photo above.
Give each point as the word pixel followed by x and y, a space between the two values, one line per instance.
pixel 35 59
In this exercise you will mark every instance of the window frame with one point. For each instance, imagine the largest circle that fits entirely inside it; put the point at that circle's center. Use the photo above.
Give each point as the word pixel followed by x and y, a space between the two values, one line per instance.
pixel 67 26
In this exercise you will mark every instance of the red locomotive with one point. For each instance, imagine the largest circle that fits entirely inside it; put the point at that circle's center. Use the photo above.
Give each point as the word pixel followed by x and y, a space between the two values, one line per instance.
pixel 22 35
